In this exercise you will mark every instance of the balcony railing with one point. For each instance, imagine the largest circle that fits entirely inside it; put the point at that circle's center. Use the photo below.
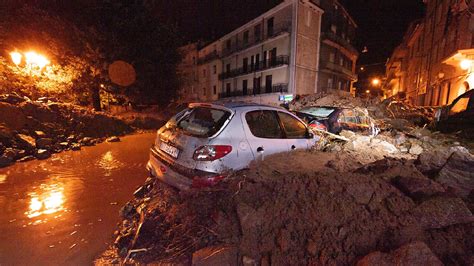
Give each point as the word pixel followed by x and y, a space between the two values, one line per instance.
pixel 338 68
pixel 276 88
pixel 208 57
pixel 262 65
pixel 278 30
pixel 339 40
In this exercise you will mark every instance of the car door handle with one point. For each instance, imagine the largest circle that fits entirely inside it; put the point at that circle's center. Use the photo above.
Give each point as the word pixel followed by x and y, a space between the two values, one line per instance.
pixel 260 149
pixel 293 147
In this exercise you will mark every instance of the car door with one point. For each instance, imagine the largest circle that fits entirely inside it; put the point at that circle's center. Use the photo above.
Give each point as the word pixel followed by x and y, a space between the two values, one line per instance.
pixel 295 131
pixel 264 133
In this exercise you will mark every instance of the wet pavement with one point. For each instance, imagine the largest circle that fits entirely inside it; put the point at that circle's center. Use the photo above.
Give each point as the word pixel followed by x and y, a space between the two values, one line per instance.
pixel 64 210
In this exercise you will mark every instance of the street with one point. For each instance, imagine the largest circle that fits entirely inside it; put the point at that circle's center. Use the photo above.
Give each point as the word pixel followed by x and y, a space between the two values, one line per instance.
pixel 64 210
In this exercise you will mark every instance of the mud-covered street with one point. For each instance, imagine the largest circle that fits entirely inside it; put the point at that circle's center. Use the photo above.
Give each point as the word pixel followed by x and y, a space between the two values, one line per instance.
pixel 64 210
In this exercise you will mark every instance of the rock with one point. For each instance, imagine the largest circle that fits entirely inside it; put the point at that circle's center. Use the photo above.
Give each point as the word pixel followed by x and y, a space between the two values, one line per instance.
pixel 26 141
pixel 43 154
pixel 44 143
pixel 418 187
pixel 76 147
pixel 12 153
pixel 26 159
pixel 416 149
pixel 399 139
pixel 11 99
pixel 128 210
pixel 458 173
pixel 348 134
pixel 64 145
pixel 12 116
pixel 40 134
pixel 113 139
pixel 87 141
pixel 5 161
pixel 387 147
pixel 441 212
pixel 430 163
pixel 360 142
pixel 416 253
pixel 217 255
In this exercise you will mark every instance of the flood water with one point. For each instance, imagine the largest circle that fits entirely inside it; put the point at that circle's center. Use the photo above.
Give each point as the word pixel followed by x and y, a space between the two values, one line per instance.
pixel 64 210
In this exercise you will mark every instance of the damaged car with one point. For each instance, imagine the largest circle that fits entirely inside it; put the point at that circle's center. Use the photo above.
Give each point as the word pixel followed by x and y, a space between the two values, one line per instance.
pixel 200 145
pixel 336 119
pixel 458 116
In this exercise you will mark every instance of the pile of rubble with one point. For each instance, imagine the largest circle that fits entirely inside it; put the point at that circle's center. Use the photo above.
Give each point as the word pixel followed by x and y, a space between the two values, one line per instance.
pixel 36 129
pixel 326 208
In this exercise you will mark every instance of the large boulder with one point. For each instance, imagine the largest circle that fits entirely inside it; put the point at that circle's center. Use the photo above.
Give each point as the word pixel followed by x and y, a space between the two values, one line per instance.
pixel 12 116
pixel 416 253
pixel 417 186
pixel 441 212
pixel 458 174
pixel 44 143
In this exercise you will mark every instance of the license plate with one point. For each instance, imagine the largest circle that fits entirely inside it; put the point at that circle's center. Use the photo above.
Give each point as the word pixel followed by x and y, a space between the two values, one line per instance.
pixel 172 151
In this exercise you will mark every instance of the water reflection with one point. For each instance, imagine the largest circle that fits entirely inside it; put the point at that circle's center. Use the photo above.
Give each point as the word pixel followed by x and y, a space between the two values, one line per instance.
pixel 109 163
pixel 47 199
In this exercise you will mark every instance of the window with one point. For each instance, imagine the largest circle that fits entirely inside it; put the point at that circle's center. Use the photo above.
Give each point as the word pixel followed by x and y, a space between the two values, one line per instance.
pixel 460 106
pixel 348 116
pixel 228 44
pixel 227 89
pixel 270 27
pixel 332 57
pixel 252 63
pixel 330 83
pixel 201 122
pixel 204 72
pixel 308 18
pixel 214 69
pixel 245 64
pixel 257 62
pixel 264 124
pixel 194 60
pixel 334 28
pixel 246 37
pixel 293 128
pixel 214 89
pixel 227 68
pixel 245 87
pixel 257 32
pixel 204 91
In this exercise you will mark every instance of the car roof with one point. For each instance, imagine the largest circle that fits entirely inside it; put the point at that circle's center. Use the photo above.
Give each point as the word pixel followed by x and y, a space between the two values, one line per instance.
pixel 237 105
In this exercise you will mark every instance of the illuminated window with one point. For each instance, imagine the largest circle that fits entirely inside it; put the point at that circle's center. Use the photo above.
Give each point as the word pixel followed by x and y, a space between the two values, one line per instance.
pixel 460 106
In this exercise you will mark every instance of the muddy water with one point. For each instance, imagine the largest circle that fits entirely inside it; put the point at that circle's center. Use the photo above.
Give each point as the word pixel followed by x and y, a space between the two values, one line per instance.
pixel 64 210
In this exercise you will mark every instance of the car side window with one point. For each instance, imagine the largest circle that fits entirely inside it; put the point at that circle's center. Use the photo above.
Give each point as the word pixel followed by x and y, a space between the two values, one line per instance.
pixel 349 116
pixel 459 106
pixel 294 129
pixel 264 124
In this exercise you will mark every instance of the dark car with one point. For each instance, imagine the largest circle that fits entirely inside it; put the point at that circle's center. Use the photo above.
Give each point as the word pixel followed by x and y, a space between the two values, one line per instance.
pixel 335 119
pixel 458 116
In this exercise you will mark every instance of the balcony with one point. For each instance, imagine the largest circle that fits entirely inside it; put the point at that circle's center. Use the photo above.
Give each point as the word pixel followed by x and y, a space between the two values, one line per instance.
pixel 208 57
pixel 339 69
pixel 278 30
pixel 262 65
pixel 339 40
pixel 277 88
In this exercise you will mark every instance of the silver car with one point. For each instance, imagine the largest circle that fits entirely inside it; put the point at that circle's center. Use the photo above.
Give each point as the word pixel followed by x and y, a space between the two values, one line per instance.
pixel 204 142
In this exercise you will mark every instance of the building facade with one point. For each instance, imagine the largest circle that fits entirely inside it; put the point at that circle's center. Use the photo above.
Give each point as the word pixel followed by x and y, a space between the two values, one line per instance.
pixel 338 56
pixel 276 56
pixel 434 63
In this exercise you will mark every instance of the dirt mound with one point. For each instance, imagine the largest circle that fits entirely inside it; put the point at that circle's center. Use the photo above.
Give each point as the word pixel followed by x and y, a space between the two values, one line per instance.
pixel 318 211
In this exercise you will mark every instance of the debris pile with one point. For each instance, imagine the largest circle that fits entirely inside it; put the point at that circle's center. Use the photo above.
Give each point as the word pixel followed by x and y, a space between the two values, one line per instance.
pixel 36 129
pixel 327 208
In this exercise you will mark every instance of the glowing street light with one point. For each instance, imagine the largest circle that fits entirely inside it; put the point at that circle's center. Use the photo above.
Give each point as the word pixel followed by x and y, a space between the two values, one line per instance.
pixel 16 57
pixel 375 81
pixel 34 59
pixel 367 91
pixel 465 64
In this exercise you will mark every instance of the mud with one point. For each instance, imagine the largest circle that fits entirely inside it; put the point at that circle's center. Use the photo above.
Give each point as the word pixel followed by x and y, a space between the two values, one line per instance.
pixel 315 211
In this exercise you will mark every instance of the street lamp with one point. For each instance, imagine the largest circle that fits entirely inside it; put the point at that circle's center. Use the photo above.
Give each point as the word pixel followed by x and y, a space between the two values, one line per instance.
pixel 367 91
pixel 16 57
pixel 34 59
pixel 465 64
pixel 375 81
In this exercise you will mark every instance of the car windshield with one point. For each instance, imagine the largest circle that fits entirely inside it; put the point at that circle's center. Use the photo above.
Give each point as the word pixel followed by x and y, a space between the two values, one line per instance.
pixel 322 112
pixel 200 121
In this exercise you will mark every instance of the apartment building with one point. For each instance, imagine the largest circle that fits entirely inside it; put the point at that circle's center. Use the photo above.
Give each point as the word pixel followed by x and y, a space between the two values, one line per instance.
pixel 338 56
pixel 271 58
pixel 434 63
